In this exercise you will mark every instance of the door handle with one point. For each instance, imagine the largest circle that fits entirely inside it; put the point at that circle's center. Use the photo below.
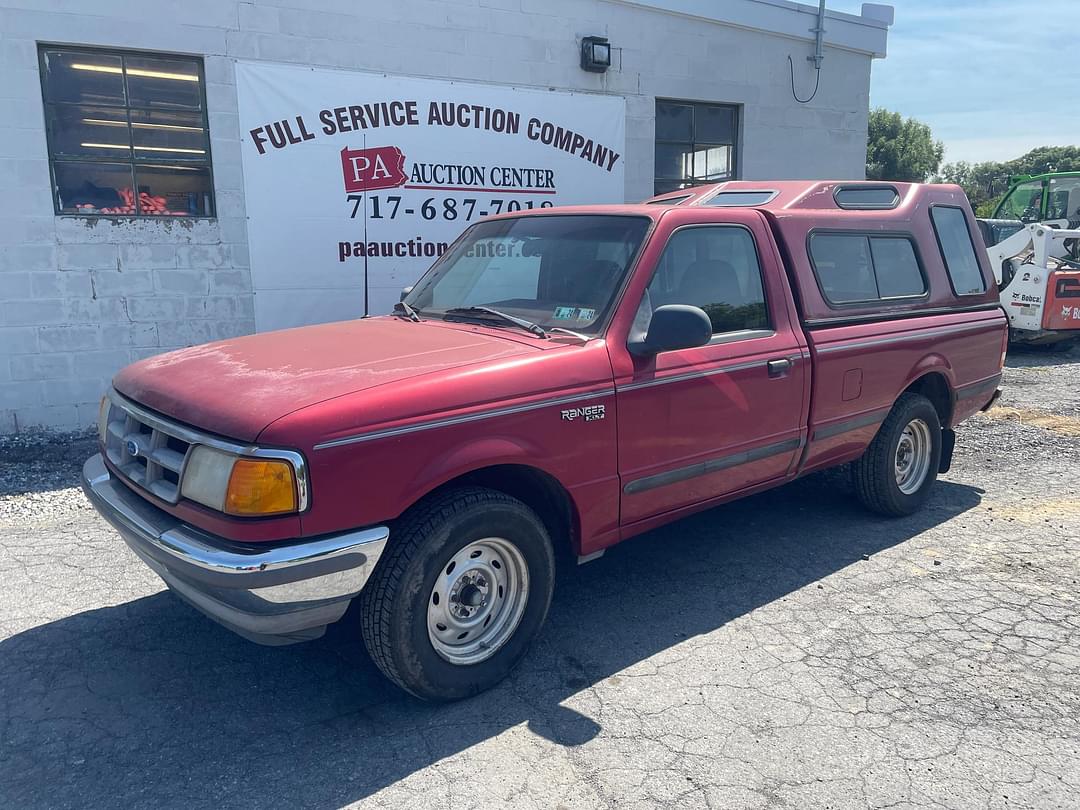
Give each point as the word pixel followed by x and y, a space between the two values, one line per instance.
pixel 778 368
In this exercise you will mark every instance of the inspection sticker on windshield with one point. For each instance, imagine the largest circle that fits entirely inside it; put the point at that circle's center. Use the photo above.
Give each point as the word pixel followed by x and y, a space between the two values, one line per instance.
pixel 584 314
pixel 563 313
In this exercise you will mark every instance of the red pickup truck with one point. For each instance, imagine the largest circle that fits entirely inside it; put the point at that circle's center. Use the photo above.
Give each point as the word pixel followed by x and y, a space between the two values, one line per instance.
pixel 558 381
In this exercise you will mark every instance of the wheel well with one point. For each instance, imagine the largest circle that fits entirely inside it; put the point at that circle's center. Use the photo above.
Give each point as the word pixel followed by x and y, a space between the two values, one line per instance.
pixel 935 387
pixel 539 491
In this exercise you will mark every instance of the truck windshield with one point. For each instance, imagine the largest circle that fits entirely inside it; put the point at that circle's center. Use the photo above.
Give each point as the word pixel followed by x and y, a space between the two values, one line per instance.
pixel 559 270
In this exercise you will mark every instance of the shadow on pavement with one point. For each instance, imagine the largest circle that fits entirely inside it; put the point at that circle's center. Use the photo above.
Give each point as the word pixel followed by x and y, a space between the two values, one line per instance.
pixel 148 703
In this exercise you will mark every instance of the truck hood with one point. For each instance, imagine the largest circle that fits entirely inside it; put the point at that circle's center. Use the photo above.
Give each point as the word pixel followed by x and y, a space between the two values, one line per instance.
pixel 237 387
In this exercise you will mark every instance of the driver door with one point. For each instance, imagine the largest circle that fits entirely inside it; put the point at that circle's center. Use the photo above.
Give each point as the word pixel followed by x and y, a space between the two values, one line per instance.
pixel 702 423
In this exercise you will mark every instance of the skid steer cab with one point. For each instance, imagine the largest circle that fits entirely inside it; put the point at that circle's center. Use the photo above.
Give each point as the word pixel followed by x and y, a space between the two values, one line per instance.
pixel 1033 243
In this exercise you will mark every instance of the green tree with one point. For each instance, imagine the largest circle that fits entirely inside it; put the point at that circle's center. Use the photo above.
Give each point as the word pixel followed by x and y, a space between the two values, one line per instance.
pixel 985 183
pixel 901 149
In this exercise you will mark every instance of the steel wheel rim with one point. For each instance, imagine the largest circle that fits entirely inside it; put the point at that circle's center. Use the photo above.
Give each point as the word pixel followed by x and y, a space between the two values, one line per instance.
pixel 912 459
pixel 477 601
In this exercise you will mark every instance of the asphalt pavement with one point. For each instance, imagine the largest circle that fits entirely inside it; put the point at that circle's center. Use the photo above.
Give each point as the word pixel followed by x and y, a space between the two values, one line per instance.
pixel 785 651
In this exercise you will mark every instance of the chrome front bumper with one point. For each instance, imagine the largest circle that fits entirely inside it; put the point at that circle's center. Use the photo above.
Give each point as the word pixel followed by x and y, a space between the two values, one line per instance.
pixel 277 593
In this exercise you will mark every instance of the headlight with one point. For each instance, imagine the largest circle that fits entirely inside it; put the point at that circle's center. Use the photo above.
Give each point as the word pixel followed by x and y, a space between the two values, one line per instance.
pixel 103 419
pixel 240 485
pixel 206 476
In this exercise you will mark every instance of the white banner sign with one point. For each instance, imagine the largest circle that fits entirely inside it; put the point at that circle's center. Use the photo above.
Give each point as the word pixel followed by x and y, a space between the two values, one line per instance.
pixel 356 182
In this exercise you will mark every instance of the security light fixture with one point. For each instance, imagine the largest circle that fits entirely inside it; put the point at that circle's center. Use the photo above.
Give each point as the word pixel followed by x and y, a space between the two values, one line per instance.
pixel 595 54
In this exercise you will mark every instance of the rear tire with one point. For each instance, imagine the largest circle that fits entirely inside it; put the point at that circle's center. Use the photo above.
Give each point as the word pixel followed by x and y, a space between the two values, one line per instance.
pixel 894 476
pixel 460 594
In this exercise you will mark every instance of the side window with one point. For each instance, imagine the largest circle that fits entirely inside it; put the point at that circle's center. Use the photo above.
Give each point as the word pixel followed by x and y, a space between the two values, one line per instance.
pixel 853 267
pixel 895 267
pixel 715 268
pixel 957 250
pixel 1064 200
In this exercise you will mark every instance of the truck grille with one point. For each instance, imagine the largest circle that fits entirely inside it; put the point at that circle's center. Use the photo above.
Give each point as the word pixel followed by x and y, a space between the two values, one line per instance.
pixel 145 450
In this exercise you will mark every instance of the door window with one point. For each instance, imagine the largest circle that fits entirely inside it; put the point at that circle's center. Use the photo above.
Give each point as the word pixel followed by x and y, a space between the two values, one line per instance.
pixel 715 268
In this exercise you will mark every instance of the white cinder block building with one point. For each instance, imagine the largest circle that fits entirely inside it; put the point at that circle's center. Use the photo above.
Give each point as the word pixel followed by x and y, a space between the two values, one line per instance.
pixel 178 172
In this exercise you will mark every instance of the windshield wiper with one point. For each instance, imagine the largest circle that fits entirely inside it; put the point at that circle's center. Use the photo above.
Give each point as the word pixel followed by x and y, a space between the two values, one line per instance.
pixel 536 329
pixel 401 308
pixel 569 332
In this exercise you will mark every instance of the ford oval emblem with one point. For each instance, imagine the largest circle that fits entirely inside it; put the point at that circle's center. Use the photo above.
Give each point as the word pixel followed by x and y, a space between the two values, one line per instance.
pixel 132 447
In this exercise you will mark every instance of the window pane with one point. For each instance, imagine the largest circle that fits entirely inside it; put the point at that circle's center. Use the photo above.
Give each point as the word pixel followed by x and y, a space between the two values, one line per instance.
pixel 896 267
pixel 843 267
pixel 174 191
pixel 713 163
pixel 674 161
pixel 957 250
pixel 1064 200
pixel 715 269
pixel 714 124
pixel 92 188
pixel 168 134
pixel 1023 203
pixel 674 122
pixel 86 78
pixel 735 198
pixel 154 82
pixel 89 132
pixel 867 197
pixel 670 200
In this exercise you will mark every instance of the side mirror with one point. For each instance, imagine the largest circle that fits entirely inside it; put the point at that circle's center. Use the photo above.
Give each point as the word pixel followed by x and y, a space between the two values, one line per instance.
pixel 674 326
pixel 405 292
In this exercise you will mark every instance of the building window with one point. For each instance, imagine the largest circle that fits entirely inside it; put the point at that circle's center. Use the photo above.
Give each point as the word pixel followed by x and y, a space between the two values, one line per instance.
pixel 695 144
pixel 127 133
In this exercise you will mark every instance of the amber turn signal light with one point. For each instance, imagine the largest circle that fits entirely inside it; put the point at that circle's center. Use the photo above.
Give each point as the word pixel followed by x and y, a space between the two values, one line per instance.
pixel 261 487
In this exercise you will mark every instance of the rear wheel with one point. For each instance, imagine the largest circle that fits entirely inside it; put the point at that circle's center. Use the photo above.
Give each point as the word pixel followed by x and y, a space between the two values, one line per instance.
pixel 895 474
pixel 462 591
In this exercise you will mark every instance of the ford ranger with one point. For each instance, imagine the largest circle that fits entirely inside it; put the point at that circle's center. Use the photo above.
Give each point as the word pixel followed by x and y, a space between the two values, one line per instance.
pixel 558 381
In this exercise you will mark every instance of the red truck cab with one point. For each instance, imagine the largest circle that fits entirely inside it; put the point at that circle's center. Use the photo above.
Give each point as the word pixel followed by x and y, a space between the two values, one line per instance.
pixel 558 381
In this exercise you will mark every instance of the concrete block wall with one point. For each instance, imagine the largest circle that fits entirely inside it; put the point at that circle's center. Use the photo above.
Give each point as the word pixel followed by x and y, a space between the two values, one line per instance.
pixel 80 298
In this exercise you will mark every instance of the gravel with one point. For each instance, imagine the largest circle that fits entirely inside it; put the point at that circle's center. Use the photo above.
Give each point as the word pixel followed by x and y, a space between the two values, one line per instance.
pixel 785 651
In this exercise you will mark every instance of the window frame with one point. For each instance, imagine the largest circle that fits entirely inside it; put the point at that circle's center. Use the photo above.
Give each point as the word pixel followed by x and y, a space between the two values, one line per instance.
pixel 691 183
pixel 893 299
pixel 46 104
pixel 971 241
pixel 840 189
pixel 735 334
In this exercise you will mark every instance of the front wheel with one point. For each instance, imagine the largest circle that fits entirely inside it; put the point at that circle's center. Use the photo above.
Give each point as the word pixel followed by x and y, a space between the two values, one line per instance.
pixel 462 591
pixel 894 475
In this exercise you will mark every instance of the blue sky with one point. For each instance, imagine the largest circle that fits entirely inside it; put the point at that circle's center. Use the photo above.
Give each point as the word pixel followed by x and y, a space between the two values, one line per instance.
pixel 993 79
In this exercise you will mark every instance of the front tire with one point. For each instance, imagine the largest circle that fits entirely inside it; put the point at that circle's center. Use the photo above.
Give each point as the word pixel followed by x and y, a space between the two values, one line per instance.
pixel 894 476
pixel 459 596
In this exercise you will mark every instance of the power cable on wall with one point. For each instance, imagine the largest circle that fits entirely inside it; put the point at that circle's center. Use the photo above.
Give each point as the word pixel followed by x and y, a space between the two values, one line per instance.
pixel 817 58
pixel 817 83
